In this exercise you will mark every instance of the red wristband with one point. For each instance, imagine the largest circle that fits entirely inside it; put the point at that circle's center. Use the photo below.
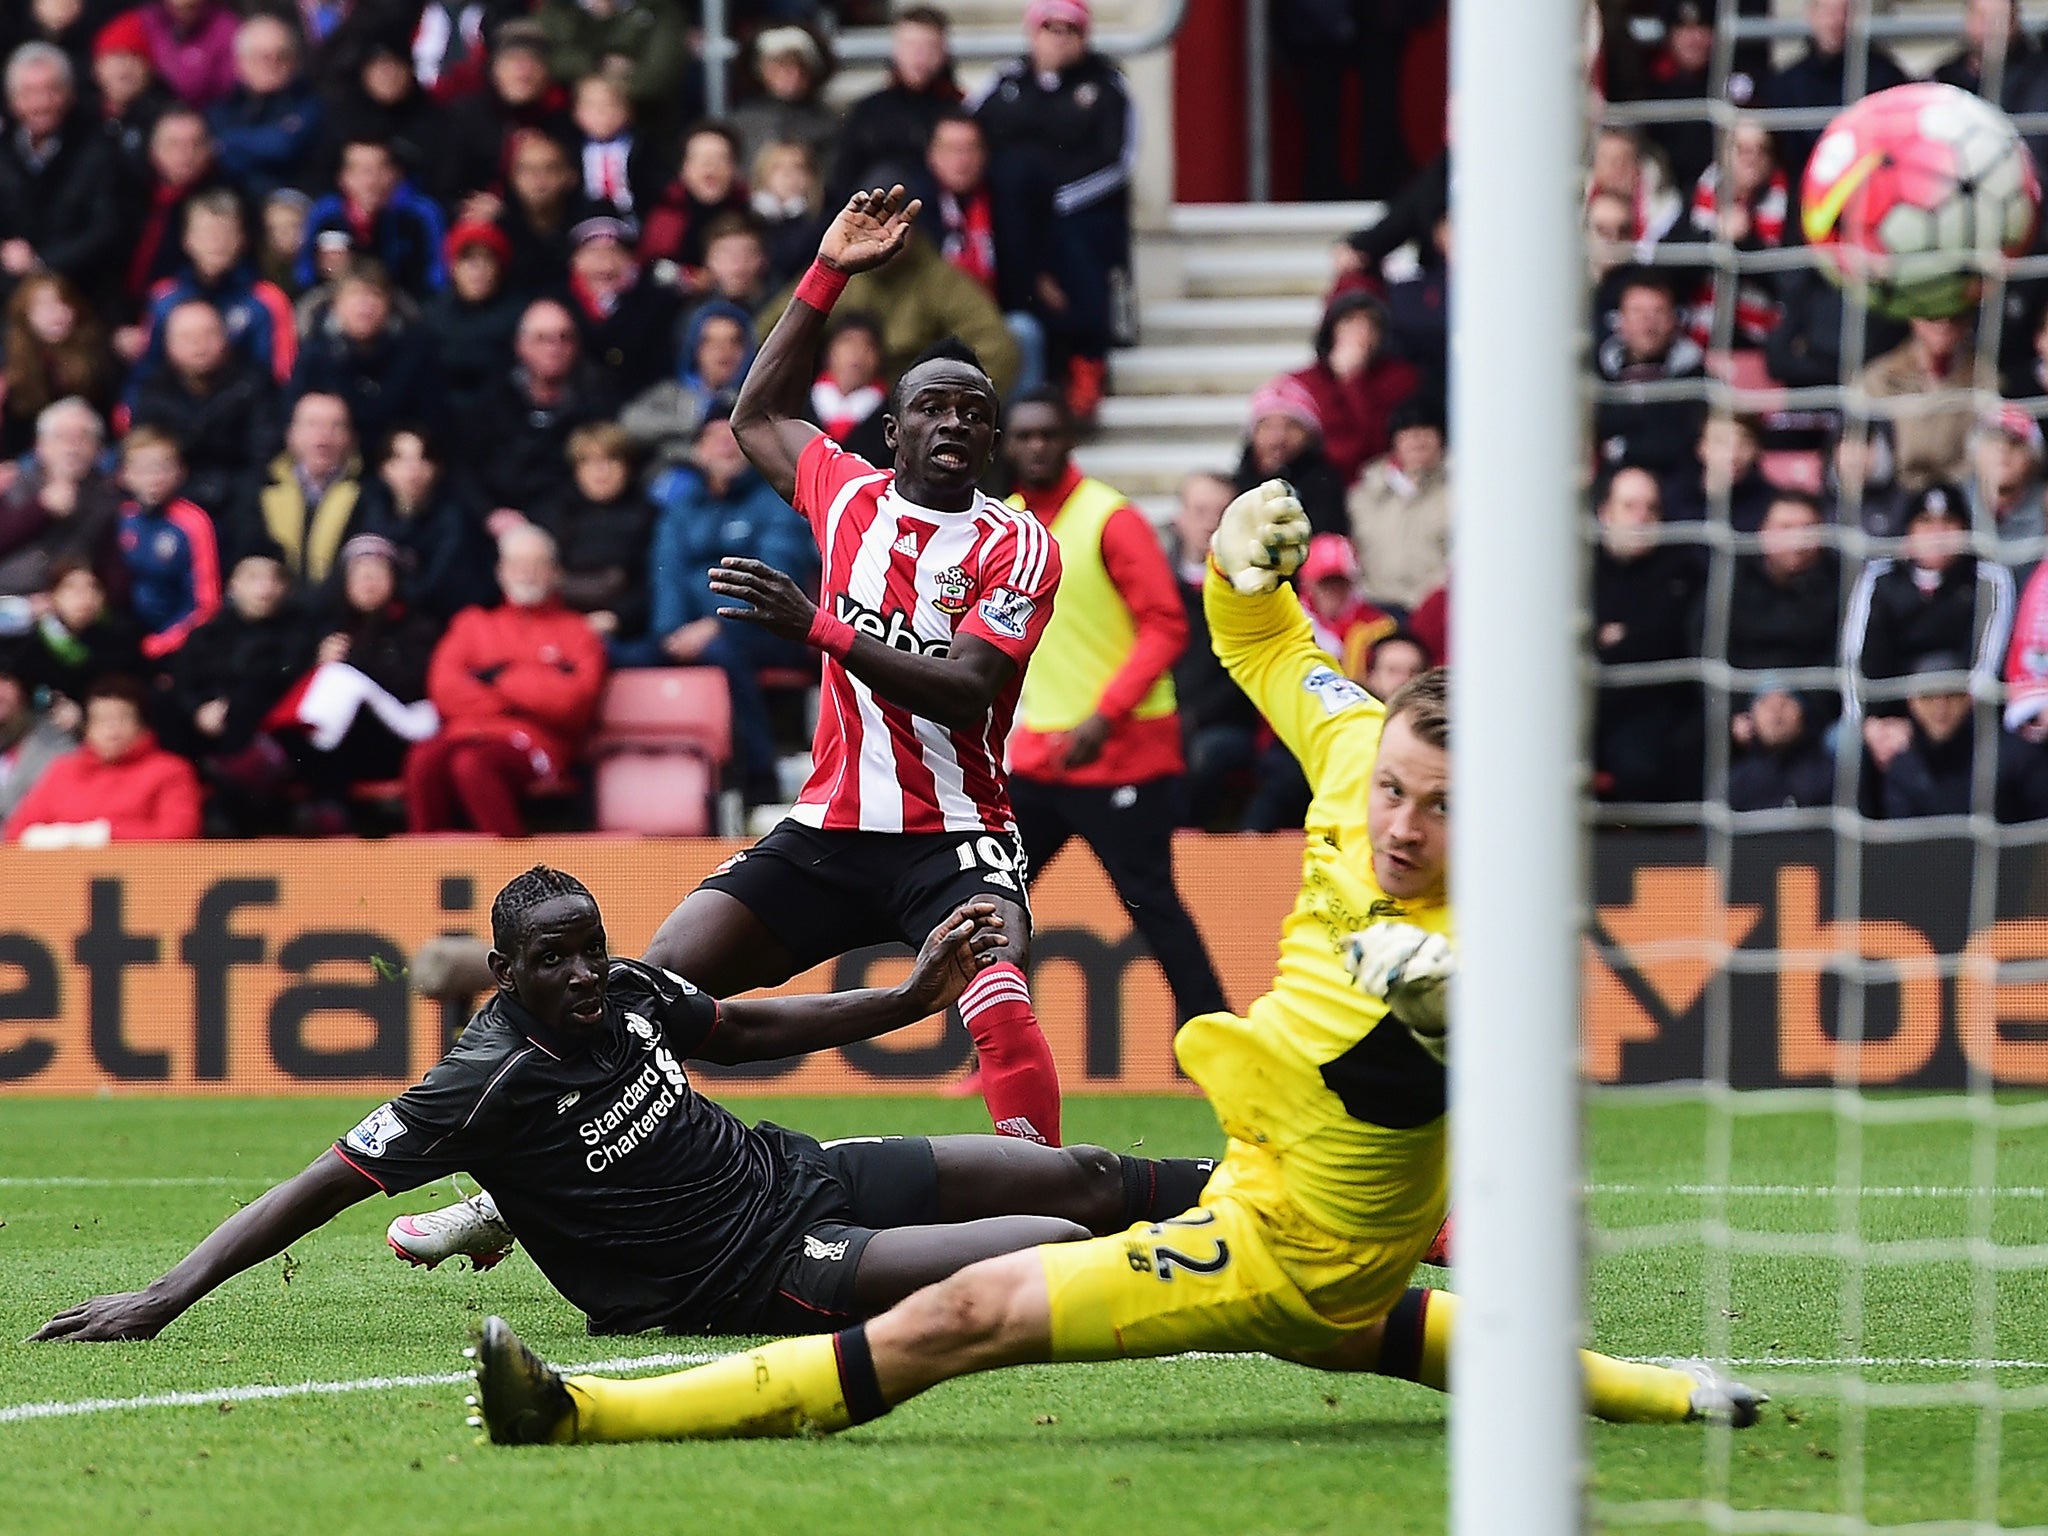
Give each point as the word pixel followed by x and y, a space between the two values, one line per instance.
pixel 833 636
pixel 821 287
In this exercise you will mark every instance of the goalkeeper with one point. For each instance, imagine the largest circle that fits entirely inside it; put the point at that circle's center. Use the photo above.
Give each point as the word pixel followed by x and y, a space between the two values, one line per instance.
pixel 1331 1094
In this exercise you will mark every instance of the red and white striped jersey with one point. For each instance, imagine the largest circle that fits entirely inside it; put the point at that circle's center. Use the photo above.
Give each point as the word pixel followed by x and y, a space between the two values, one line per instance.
pixel 913 577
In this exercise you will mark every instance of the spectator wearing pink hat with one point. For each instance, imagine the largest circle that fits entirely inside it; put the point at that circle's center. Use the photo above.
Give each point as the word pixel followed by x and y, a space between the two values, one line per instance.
pixel 2006 490
pixel 1063 138
pixel 192 48
pixel 1285 442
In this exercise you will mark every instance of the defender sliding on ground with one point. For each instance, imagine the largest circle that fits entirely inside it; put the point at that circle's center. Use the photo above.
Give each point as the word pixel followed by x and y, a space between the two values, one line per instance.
pixel 1331 1092
pixel 649 1206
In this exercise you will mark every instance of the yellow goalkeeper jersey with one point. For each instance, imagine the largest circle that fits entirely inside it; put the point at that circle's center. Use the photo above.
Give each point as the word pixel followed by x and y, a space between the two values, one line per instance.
pixel 1353 1113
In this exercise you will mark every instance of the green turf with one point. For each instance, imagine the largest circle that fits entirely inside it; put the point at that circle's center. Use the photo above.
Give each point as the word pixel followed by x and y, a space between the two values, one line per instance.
pixel 1245 1446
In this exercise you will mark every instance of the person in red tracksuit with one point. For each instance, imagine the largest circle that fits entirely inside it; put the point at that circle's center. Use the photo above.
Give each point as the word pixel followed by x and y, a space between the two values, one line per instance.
pixel 119 787
pixel 517 687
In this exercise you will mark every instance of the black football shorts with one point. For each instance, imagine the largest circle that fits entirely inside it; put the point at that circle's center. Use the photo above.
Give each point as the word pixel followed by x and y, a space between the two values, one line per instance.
pixel 826 893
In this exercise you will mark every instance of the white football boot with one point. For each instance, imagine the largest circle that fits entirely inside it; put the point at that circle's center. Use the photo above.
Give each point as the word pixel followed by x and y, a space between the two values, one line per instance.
pixel 471 1228
pixel 1721 1399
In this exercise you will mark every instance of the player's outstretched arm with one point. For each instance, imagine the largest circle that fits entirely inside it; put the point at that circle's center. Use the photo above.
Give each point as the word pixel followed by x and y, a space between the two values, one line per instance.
pixel 769 418
pixel 259 1231
pixel 955 689
pixel 767 1028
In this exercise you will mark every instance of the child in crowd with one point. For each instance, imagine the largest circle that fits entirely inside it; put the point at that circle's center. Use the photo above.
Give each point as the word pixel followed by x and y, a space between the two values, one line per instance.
pixel 168 543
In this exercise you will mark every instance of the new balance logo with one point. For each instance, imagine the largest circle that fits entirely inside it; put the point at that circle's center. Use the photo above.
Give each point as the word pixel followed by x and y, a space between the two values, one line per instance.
pixel 567 1101
pixel 907 545
pixel 815 1248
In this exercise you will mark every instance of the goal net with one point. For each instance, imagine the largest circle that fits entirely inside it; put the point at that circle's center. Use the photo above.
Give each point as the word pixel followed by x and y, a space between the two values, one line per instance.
pixel 1815 968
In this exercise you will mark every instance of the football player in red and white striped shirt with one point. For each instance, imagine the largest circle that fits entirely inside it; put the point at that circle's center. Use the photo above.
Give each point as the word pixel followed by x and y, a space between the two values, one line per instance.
pixel 934 596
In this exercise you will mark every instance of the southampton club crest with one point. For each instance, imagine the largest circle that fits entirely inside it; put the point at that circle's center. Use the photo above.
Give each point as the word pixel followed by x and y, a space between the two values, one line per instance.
pixel 953 589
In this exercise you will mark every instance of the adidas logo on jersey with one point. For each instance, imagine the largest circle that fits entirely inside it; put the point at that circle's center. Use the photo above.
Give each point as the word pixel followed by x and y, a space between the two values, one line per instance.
pixel 907 545
pixel 894 631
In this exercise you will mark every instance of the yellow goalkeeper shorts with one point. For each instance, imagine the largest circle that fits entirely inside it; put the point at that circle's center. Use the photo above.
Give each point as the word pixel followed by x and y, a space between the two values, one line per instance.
pixel 1244 1270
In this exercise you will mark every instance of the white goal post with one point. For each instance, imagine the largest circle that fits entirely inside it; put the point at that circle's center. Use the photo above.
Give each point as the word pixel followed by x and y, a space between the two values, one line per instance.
pixel 1517 429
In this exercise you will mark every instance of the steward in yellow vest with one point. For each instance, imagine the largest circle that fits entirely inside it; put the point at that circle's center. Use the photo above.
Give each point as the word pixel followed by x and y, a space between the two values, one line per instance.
pixel 1097 752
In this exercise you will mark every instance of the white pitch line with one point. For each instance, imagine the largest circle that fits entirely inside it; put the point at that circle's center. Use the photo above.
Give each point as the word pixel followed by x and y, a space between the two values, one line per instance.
pixel 24 1412
pixel 1825 1191
pixel 21 1412
pixel 70 1181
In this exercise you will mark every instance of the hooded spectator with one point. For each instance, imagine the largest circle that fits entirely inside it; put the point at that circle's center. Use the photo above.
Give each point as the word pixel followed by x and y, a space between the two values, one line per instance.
pixel 411 504
pixel 792 69
pixel 119 787
pixel 61 507
pixel 718 349
pixel 883 138
pixel 215 402
pixel 1284 441
pixel 1400 511
pixel 471 322
pixel 517 687
pixel 1355 383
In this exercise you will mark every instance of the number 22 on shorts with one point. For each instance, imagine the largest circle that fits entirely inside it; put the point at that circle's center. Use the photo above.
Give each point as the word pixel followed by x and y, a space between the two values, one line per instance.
pixel 1149 1255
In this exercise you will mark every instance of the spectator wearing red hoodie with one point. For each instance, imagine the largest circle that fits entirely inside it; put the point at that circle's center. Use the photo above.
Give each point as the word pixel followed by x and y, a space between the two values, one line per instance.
pixel 517 687
pixel 119 787
pixel 1355 382
pixel 192 48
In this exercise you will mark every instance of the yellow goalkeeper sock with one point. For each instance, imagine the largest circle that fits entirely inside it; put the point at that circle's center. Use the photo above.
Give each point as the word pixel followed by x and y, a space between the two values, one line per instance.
pixel 791 1387
pixel 1417 1347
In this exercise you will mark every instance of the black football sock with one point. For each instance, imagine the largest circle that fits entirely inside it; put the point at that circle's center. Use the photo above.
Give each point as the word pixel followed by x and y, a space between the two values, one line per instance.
pixel 1156 1188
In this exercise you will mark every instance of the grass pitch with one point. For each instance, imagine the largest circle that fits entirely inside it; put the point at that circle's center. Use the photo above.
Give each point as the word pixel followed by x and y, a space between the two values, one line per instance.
pixel 102 1195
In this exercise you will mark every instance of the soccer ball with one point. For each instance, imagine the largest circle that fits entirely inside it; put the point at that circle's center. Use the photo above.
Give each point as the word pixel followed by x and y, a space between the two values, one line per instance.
pixel 1914 192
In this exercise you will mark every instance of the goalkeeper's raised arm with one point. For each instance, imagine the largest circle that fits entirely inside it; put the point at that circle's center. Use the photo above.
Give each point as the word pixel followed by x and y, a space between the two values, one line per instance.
pixel 1262 636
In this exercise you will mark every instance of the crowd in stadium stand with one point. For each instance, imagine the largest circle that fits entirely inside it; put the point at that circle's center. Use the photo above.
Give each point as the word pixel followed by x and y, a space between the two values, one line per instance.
pixel 367 366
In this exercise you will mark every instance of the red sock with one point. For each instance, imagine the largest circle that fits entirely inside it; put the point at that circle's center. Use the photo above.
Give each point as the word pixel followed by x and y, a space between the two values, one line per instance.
pixel 1018 1080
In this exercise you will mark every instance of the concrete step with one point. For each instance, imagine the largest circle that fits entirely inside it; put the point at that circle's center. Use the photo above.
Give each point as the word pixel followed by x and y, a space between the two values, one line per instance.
pixel 1223 368
pixel 1228 319
pixel 1150 468
pixel 1323 222
pixel 1235 272
pixel 1203 416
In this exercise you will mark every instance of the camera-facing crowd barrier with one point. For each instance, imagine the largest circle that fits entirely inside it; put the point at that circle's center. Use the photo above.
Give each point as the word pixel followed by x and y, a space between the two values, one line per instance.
pixel 261 968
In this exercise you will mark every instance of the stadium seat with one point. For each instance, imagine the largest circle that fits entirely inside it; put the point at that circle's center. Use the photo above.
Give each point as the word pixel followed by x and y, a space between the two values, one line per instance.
pixel 1756 392
pixel 663 734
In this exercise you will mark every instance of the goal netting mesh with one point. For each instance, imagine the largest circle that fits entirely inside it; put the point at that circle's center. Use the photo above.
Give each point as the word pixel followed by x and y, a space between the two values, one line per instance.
pixel 1816 1007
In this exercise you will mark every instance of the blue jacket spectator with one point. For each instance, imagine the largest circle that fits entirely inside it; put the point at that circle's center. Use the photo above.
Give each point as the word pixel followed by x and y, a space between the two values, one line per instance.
pixel 256 313
pixel 267 127
pixel 713 507
pixel 380 216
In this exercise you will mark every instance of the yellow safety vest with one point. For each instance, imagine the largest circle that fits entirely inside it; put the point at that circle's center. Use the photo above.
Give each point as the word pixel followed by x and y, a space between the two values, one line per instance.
pixel 1090 632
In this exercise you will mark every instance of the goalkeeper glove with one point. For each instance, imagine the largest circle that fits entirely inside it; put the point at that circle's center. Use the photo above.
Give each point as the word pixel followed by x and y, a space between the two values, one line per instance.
pixel 1410 969
pixel 1262 539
